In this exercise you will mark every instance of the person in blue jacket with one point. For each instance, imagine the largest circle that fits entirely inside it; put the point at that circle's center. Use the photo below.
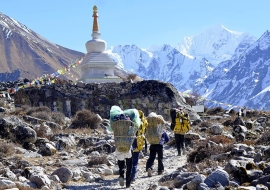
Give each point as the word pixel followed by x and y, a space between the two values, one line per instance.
pixel 157 149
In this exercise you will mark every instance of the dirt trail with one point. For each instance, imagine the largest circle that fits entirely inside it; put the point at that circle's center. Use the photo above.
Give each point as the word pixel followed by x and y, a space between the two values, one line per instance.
pixel 143 182
pixel 171 163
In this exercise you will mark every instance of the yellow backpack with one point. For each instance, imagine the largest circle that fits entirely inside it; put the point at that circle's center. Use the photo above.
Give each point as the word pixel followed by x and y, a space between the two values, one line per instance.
pixel 140 134
pixel 140 143
pixel 182 123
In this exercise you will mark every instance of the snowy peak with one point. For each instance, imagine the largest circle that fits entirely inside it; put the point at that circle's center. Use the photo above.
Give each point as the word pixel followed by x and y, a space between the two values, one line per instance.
pixel 262 44
pixel 132 56
pixel 264 41
pixel 220 28
pixel 167 47
pixel 244 80
pixel 216 44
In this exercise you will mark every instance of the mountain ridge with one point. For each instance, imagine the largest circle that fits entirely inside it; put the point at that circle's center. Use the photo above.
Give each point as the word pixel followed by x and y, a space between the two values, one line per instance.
pixel 22 48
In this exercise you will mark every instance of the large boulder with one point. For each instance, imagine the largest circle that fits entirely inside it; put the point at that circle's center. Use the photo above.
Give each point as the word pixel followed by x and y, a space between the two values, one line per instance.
pixel 219 176
pixel 64 174
pixel 23 134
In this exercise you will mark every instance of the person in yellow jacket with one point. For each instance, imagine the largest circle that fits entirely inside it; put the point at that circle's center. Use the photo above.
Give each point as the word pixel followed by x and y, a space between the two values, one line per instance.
pixel 138 145
pixel 180 126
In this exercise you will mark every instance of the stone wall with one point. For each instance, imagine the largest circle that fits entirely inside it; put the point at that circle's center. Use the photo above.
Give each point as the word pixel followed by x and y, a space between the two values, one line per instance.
pixel 148 96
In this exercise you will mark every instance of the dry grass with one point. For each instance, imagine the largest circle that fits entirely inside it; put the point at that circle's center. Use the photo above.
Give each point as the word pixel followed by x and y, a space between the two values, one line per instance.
pixel 132 77
pixel 21 187
pixel 221 139
pixel 78 131
pixel 264 139
pixel 38 109
pixel 249 142
pixel 200 167
pixel 85 119
pixel 168 183
pixel 2 102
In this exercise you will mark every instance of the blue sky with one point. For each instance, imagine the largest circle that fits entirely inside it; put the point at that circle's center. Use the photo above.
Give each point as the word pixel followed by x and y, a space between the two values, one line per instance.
pixel 141 22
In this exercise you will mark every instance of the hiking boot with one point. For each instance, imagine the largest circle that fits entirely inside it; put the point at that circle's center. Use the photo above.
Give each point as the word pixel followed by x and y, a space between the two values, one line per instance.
pixel 160 172
pixel 149 172
pixel 133 181
pixel 184 151
pixel 179 154
pixel 121 181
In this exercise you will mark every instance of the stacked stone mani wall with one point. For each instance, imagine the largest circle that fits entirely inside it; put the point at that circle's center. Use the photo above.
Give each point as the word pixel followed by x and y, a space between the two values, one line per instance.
pixel 148 96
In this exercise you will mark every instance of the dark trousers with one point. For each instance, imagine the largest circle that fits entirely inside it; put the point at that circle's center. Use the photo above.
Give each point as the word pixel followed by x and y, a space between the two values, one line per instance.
pixel 135 161
pixel 180 142
pixel 125 164
pixel 155 149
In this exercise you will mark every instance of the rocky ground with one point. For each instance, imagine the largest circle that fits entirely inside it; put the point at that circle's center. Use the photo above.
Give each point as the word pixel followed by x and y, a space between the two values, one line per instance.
pixel 224 152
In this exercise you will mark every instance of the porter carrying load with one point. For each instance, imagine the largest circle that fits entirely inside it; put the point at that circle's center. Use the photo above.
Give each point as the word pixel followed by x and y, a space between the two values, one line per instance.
pixel 124 125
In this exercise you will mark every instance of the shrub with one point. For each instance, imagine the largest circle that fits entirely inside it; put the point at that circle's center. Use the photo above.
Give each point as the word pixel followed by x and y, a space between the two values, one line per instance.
pixel 97 160
pixel 215 111
pixel 204 151
pixel 42 132
pixel 85 119
pixel 42 115
pixel 21 110
pixel 206 124
pixel 58 117
pixel 43 112
pixel 6 149
pixel 132 77
pixel 228 122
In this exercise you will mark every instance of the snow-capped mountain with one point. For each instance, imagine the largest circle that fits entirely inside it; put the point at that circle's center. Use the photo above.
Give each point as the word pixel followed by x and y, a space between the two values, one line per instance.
pixel 167 64
pixel 242 81
pixel 216 44
pixel 129 57
pixel 241 75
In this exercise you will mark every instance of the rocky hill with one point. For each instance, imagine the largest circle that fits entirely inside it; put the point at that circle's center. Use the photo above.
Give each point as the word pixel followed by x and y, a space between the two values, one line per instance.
pixel 28 54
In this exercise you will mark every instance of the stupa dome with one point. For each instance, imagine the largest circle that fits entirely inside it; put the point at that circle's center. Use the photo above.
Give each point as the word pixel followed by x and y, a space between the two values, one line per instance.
pixel 96 45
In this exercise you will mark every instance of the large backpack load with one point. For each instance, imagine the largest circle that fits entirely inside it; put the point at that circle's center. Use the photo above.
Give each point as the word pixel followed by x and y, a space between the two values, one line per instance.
pixel 180 121
pixel 124 125
pixel 154 129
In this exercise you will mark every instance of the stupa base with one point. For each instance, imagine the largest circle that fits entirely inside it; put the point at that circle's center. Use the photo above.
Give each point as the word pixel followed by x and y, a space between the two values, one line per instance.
pixel 101 80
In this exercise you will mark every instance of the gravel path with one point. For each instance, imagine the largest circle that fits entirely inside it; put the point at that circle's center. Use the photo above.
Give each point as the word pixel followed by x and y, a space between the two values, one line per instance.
pixel 171 163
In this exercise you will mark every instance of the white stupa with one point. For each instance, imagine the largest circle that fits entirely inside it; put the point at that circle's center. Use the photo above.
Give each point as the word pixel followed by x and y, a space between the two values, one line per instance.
pixel 97 66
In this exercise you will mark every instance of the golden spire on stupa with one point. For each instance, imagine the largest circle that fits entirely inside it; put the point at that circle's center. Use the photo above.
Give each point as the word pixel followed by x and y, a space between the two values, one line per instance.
pixel 95 15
